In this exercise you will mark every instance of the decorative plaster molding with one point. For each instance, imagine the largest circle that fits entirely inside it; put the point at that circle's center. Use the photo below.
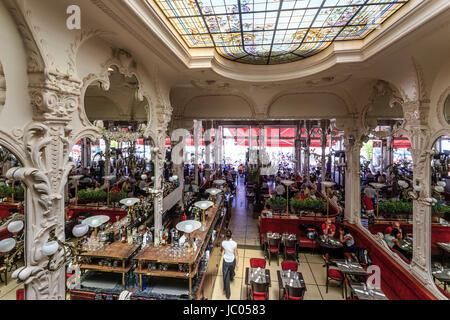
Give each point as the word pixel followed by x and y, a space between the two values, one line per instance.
pixel 440 110
pixel 2 87
pixel 76 44
pixel 35 59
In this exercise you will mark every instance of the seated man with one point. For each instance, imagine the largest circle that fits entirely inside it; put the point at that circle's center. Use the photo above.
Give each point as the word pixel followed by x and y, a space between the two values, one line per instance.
pixel 329 228
pixel 395 225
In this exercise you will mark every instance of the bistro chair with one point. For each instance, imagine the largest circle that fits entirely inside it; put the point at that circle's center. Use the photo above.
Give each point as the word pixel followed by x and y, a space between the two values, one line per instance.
pixel 334 274
pixel 259 291
pixel 273 248
pixel 20 294
pixel 293 293
pixel 258 263
pixel 290 249
pixel 289 265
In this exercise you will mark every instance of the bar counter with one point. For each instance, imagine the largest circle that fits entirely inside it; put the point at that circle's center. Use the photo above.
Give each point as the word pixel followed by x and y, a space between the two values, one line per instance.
pixel 197 283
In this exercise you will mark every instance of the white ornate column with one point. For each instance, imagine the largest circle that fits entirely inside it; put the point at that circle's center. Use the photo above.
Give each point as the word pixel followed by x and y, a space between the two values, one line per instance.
pixel 208 146
pixel 197 139
pixel 323 142
pixel 308 127
pixel 48 141
pixel 158 157
pixel 352 213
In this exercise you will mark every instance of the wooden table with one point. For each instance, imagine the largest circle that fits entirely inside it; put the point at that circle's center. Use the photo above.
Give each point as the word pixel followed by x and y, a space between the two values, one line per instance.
pixel 247 278
pixel 349 269
pixel 155 254
pixel 281 283
pixel 361 291
pixel 117 251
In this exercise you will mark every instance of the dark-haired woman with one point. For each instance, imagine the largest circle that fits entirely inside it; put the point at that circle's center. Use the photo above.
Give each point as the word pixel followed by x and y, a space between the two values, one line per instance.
pixel 230 261
pixel 347 239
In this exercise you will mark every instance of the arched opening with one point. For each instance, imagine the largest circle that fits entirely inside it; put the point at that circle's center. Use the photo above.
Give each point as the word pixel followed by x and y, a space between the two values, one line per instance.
pixel 387 176
pixel 440 213
pixel 12 228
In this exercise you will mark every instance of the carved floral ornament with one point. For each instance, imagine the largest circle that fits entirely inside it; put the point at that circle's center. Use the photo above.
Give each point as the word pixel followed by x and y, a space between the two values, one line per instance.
pixel 2 87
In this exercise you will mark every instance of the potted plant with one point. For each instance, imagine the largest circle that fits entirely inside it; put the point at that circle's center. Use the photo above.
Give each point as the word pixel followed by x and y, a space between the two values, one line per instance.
pixel 5 191
pixel 277 204
pixel 438 211
pixel 297 205
pixel 19 193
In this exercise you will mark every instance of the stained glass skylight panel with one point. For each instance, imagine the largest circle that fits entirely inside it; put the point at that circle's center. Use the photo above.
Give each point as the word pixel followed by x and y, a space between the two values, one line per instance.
pixel 274 31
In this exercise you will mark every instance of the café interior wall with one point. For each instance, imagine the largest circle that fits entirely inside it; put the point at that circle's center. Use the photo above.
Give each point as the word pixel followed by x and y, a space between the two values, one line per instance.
pixel 16 111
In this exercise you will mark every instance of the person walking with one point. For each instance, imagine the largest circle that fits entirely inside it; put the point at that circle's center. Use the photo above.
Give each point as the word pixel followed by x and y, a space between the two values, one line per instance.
pixel 230 262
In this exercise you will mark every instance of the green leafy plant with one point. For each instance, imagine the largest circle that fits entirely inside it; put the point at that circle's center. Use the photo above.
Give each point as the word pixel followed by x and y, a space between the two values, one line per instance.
pixel 6 191
pixel 87 196
pixel 297 205
pixel 277 204
pixel 439 210
pixel 395 207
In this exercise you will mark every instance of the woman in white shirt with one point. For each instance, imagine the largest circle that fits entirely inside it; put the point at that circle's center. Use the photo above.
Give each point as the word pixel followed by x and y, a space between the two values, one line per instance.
pixel 230 262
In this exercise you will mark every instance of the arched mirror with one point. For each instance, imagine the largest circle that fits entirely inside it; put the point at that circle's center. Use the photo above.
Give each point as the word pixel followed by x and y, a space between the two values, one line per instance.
pixel 12 228
pixel 386 182
pixel 447 109
pixel 109 190
pixel 440 214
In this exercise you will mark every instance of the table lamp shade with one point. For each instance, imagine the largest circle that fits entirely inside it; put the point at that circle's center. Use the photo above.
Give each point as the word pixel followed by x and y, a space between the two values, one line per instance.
pixel 80 230
pixel 204 205
pixel 15 226
pixel 377 185
pixel 109 177
pixel 6 245
pixel 287 182
pixel 328 184
pixel 50 248
pixel 188 226
pixel 96 221
pixel 213 191
pixel 129 201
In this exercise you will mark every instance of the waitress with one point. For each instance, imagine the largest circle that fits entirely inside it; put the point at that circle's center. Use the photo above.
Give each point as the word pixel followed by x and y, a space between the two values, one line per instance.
pixel 230 261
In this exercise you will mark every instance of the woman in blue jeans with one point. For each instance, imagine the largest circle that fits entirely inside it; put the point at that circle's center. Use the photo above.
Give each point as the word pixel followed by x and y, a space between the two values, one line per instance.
pixel 230 262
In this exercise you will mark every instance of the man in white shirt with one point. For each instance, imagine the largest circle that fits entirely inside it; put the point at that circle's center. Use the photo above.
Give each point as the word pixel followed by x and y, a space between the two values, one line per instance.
pixel 230 262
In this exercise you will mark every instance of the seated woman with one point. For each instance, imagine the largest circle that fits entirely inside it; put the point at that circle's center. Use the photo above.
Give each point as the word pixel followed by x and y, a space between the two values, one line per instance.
pixel 347 240
pixel 392 241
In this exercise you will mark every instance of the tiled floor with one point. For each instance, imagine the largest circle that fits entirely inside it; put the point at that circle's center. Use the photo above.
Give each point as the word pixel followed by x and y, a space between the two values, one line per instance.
pixel 245 233
pixel 9 292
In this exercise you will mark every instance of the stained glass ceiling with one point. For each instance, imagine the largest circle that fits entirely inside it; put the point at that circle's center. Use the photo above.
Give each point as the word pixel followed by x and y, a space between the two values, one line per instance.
pixel 274 31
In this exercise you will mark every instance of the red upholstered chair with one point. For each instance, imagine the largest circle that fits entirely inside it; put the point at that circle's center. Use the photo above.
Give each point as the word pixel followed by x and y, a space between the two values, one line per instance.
pixel 20 294
pixel 290 249
pixel 259 291
pixel 334 274
pixel 273 248
pixel 257 263
pixel 294 293
pixel 289 265
pixel 348 256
